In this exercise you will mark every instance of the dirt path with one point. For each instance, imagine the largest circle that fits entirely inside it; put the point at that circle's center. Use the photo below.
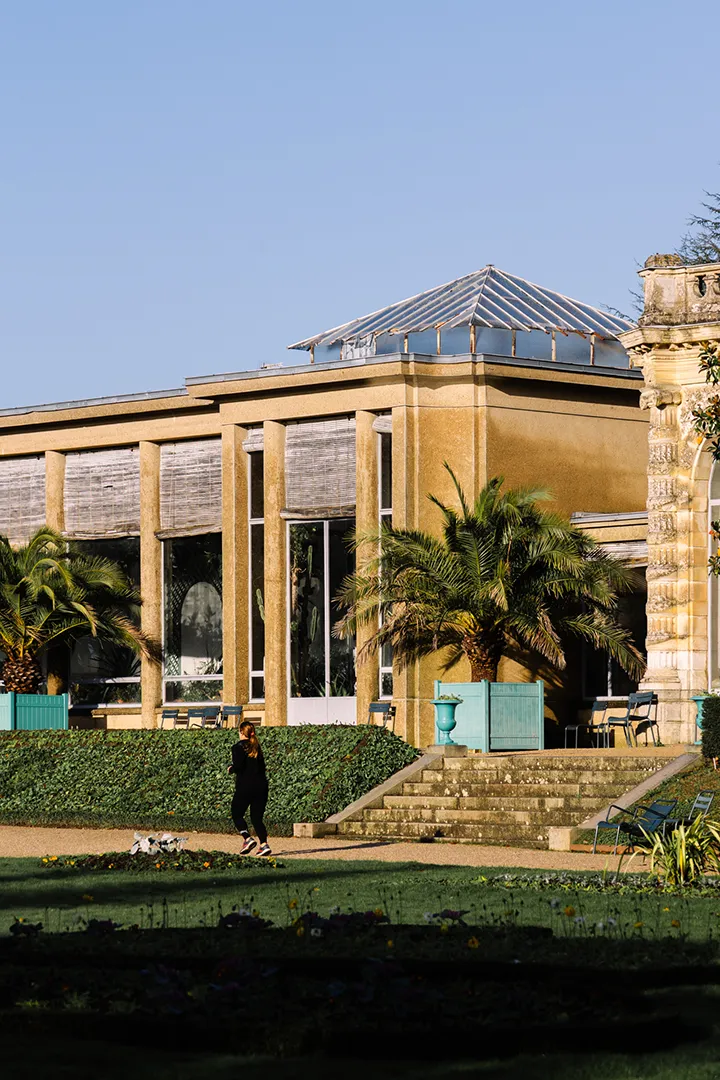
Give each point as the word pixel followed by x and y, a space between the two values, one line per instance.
pixel 19 842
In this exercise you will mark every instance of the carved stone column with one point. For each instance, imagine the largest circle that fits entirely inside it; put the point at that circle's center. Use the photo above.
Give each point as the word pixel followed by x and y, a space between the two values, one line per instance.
pixel 682 310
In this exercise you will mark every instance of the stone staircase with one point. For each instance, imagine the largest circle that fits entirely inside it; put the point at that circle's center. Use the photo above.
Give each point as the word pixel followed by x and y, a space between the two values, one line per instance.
pixel 510 800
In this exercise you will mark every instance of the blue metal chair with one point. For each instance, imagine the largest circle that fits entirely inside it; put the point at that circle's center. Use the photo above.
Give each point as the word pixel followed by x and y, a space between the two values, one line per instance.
pixel 703 801
pixel 386 710
pixel 639 709
pixel 232 713
pixel 171 714
pixel 637 823
pixel 595 725
pixel 209 717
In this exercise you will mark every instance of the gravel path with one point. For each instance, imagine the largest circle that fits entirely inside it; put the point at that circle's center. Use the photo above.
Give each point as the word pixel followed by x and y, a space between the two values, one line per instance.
pixel 19 842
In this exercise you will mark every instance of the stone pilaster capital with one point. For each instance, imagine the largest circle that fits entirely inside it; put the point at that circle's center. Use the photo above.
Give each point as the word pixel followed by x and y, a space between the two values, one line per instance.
pixel 659 397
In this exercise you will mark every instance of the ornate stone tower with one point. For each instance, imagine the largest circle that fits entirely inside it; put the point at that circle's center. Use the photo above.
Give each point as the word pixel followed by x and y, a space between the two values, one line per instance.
pixel 682 310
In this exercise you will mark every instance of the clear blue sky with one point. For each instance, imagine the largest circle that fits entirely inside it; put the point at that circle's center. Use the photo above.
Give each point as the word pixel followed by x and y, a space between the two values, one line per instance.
pixel 186 188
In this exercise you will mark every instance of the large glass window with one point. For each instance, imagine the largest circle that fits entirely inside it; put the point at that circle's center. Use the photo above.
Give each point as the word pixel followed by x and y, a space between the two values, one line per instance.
pixel 320 559
pixel 603 676
pixel 385 501
pixel 257 578
pixel 193 618
pixel 102 673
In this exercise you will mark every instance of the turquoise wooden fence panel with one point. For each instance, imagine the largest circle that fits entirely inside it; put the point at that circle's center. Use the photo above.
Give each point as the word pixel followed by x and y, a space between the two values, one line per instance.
pixel 34 712
pixel 498 716
pixel 472 714
pixel 6 713
pixel 517 716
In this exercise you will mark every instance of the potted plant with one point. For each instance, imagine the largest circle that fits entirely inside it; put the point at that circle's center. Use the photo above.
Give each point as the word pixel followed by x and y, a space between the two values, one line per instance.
pixel 445 706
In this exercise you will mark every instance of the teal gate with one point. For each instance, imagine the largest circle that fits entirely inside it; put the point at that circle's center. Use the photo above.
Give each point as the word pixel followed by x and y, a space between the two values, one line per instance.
pixel 498 716
pixel 33 712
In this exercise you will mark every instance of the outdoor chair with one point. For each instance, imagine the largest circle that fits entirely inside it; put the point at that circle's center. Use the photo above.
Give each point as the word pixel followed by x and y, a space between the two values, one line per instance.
pixel 595 725
pixel 209 716
pixel 195 717
pixel 703 802
pixel 170 714
pixel 232 715
pixel 638 712
pixel 637 823
pixel 386 710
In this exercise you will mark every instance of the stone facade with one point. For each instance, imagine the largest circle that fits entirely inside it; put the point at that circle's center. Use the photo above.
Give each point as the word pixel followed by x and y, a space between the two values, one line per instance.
pixel 681 311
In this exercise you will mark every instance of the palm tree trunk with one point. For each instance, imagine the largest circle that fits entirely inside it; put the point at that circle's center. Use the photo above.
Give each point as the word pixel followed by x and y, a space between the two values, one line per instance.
pixel 21 674
pixel 484 658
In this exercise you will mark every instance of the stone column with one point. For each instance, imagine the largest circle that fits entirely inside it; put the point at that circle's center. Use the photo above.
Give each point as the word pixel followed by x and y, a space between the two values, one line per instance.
pixel 235 566
pixel 406 681
pixel 366 520
pixel 55 490
pixel 276 627
pixel 682 310
pixel 58 659
pixel 150 576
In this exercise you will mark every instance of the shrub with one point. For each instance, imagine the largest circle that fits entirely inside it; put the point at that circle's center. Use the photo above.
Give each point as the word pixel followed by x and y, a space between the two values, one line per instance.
pixel 711 727
pixel 686 853
pixel 179 779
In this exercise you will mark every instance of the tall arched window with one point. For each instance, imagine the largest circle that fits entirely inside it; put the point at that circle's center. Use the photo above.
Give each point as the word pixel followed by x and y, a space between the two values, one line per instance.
pixel 713 590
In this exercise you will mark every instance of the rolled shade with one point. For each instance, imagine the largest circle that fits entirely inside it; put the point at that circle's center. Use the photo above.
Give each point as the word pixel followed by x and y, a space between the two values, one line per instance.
pixel 102 493
pixel 383 424
pixel 255 440
pixel 190 487
pixel 22 497
pixel 320 468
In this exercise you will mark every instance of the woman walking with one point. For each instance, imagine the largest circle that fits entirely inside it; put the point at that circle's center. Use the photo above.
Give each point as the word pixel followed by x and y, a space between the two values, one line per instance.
pixel 251 788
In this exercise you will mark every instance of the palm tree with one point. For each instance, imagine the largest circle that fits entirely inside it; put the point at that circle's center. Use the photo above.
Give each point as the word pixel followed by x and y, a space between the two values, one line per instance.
pixel 51 595
pixel 504 575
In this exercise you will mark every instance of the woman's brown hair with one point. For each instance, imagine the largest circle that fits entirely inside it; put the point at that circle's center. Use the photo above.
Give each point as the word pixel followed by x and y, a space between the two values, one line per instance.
pixel 248 730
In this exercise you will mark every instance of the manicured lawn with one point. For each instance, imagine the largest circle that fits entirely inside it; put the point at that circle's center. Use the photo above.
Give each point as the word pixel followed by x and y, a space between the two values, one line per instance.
pixel 62 899
pixel 531 988
pixel 25 1059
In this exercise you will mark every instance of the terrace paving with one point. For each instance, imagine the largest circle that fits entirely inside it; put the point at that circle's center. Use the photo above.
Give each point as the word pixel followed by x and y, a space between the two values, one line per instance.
pixel 24 842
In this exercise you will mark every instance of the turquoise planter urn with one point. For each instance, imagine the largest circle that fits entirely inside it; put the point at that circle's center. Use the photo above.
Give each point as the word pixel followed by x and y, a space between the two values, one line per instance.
pixel 698 722
pixel 445 719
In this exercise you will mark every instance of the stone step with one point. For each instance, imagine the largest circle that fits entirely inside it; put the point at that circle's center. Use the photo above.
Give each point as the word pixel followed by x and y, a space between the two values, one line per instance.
pixel 486 791
pixel 476 833
pixel 550 778
pixel 452 817
pixel 492 802
pixel 613 763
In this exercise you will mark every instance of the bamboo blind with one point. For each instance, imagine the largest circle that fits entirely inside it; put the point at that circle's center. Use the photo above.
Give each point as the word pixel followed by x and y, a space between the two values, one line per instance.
pixel 22 497
pixel 190 487
pixel 102 493
pixel 255 440
pixel 320 467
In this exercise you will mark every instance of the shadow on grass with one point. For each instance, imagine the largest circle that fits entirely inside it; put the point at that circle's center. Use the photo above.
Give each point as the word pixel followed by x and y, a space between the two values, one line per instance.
pixel 584 1021
pixel 39 888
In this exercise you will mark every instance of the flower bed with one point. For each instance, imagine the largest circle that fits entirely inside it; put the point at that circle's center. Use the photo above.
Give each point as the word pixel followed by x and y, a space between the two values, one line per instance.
pixel 142 862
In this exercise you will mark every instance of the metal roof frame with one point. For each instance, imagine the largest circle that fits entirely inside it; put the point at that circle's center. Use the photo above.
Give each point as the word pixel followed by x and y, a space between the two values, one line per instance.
pixel 488 298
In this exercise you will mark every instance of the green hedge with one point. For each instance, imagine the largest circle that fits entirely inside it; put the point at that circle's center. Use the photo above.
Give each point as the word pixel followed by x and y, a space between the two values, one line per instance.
pixel 711 727
pixel 178 780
